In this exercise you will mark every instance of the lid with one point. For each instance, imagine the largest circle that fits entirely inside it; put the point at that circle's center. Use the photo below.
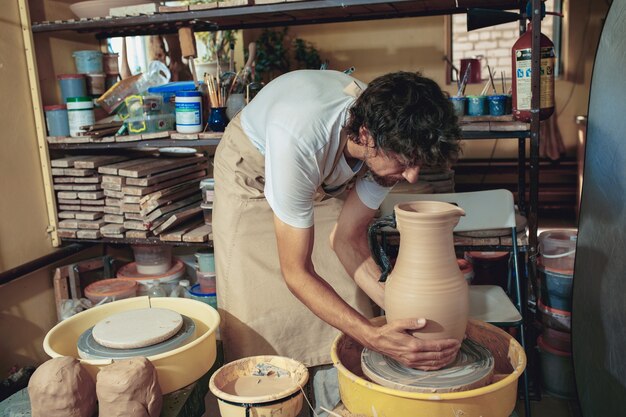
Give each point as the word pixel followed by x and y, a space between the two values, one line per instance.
pixel 65 76
pixel 195 290
pixel 487 255
pixel 55 107
pixel 96 75
pixel 109 287
pixel 77 99
pixel 550 349
pixel 188 94
pixel 559 273
pixel 173 87
pixel 207 183
pixel 552 311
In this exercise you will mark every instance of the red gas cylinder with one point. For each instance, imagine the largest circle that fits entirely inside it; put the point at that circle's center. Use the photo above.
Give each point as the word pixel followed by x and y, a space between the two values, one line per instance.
pixel 521 85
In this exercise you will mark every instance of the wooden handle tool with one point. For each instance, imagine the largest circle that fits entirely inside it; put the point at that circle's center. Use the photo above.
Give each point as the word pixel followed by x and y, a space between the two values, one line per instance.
pixel 188 48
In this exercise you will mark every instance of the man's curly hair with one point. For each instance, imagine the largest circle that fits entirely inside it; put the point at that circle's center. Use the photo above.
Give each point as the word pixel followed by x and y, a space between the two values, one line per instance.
pixel 409 115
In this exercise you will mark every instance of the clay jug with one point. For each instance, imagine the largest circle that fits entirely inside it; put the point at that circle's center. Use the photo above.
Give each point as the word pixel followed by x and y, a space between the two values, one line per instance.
pixel 426 280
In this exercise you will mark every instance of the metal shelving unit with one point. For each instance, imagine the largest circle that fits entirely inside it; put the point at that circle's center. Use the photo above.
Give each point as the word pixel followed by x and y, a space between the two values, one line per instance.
pixel 326 11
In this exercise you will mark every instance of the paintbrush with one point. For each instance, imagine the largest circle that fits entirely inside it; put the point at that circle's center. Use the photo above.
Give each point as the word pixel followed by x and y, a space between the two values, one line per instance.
pixel 461 91
pixel 493 85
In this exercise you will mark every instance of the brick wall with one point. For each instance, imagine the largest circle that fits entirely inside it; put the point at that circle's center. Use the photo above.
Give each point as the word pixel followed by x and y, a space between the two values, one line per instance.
pixel 494 43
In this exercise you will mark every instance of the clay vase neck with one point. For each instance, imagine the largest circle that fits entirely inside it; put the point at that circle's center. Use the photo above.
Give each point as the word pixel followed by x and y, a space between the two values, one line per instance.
pixel 426 280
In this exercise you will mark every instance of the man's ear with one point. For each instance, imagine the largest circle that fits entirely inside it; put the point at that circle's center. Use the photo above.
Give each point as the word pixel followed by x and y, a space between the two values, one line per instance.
pixel 366 138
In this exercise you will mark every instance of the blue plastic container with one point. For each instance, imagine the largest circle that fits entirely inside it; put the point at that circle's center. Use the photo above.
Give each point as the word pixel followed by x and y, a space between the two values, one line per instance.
pixel 459 105
pixel 497 105
pixel 88 62
pixel 208 298
pixel 556 288
pixel 168 92
pixel 56 120
pixel 72 85
pixel 477 106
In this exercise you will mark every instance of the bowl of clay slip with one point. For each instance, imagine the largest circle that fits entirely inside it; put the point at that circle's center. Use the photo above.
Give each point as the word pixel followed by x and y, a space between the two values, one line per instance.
pixel 176 368
pixel 496 399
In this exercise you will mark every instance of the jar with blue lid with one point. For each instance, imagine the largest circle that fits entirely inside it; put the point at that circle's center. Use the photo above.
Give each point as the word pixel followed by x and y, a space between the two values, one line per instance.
pixel 188 112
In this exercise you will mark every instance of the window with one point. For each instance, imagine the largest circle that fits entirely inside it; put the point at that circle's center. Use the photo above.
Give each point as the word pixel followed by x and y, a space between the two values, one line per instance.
pixel 493 44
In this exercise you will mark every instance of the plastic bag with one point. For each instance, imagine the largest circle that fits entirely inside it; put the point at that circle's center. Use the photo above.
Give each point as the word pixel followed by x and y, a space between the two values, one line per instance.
pixel 157 74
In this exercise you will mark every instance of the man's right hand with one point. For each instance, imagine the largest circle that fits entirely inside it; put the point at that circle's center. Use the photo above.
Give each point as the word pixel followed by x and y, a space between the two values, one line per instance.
pixel 396 341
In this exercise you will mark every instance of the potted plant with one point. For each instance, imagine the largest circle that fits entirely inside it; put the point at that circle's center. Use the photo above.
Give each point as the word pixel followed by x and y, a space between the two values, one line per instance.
pixel 272 55
pixel 214 47
pixel 306 55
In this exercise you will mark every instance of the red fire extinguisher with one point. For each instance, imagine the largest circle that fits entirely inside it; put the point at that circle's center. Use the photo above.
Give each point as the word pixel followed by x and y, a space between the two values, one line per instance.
pixel 521 59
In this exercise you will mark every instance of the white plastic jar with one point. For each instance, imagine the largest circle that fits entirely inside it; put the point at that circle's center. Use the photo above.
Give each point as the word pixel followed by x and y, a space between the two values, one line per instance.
pixel 188 112
pixel 79 114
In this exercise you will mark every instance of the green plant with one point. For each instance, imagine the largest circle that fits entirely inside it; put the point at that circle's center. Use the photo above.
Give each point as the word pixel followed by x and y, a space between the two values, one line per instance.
pixel 216 45
pixel 272 55
pixel 306 55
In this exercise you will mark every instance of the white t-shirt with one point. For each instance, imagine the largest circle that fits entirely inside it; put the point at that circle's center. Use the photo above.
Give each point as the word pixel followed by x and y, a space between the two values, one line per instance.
pixel 295 122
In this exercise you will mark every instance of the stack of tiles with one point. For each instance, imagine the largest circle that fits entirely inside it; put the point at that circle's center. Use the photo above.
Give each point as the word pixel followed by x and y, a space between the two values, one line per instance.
pixel 147 196
pixel 79 194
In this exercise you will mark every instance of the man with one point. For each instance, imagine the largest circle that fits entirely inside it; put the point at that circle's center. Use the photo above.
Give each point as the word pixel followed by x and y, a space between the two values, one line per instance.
pixel 304 136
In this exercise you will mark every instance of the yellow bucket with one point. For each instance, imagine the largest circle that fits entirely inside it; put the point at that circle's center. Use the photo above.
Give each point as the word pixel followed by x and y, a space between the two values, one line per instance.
pixel 285 402
pixel 176 368
pixel 362 397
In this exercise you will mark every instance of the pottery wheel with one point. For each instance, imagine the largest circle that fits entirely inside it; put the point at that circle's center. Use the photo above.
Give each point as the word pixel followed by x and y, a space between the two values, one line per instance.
pixel 88 348
pixel 472 368
pixel 139 328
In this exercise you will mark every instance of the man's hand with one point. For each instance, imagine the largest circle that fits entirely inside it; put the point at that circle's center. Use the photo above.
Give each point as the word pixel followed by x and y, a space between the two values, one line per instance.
pixel 395 340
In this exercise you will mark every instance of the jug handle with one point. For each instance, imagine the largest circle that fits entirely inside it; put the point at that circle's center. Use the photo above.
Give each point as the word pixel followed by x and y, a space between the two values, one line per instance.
pixel 378 253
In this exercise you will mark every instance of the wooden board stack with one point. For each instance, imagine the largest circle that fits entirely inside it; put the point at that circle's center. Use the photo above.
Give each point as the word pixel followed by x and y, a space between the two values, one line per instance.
pixel 79 194
pixel 150 196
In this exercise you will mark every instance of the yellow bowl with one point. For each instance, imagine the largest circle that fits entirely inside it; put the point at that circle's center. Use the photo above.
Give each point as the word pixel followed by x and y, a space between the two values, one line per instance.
pixel 176 369
pixel 363 397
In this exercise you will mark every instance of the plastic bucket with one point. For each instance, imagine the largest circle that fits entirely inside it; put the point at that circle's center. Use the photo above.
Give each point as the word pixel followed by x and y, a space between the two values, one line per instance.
pixel 286 401
pixel 557 339
pixel 153 259
pixel 558 249
pixel 88 62
pixel 554 318
pixel 466 269
pixel 206 261
pixel 459 104
pixel 72 85
pixel 497 105
pixel 207 297
pixel 556 288
pixel 557 371
pixel 490 268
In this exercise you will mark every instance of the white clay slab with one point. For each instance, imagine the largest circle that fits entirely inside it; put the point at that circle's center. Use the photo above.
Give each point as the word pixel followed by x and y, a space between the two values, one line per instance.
pixel 137 328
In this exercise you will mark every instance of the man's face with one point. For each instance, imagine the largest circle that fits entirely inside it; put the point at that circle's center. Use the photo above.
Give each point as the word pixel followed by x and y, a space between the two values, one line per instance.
pixel 388 169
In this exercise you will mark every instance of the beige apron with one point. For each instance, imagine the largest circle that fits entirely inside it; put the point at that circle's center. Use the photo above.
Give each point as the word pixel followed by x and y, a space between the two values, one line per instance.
pixel 259 313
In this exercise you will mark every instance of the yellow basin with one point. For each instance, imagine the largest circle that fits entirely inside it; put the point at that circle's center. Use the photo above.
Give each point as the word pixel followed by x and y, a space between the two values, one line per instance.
pixel 362 397
pixel 176 369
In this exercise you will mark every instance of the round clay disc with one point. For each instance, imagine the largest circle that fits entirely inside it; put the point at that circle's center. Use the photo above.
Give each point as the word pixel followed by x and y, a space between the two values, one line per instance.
pixel 88 348
pixel 139 328
pixel 472 368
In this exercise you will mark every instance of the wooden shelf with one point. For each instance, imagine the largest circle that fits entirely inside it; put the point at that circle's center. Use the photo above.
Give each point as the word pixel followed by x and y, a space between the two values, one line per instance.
pixel 268 15
pixel 125 241
pixel 141 144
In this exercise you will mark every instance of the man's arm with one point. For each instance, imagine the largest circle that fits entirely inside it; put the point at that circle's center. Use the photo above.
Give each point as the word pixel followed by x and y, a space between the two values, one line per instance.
pixel 295 246
pixel 349 241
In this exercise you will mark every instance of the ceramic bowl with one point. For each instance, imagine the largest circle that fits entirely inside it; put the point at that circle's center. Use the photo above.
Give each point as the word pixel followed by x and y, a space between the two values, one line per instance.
pixel 100 8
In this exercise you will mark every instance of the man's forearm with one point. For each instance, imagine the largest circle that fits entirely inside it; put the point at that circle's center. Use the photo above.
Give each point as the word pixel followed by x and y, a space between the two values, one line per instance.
pixel 355 255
